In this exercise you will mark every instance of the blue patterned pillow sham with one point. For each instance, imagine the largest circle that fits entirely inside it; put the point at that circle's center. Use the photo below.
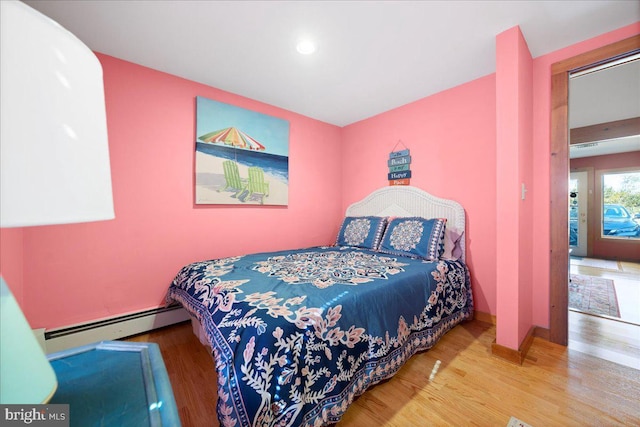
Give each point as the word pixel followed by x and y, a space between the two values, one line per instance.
pixel 414 237
pixel 362 231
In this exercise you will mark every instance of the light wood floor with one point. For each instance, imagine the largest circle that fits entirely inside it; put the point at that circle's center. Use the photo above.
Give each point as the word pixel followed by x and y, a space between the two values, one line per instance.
pixel 556 385
pixel 607 339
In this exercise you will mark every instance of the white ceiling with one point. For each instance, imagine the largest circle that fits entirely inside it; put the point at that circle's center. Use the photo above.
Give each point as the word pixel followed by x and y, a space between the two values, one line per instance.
pixel 372 56
pixel 610 146
pixel 603 96
pixel 606 95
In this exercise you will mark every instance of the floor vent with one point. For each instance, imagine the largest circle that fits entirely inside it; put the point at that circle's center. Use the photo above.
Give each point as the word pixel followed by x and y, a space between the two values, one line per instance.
pixel 514 422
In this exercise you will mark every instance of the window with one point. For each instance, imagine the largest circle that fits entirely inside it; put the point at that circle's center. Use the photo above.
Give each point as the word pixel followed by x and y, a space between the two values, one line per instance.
pixel 621 205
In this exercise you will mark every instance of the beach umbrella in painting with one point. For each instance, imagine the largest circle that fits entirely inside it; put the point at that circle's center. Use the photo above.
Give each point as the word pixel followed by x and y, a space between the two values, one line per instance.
pixel 232 136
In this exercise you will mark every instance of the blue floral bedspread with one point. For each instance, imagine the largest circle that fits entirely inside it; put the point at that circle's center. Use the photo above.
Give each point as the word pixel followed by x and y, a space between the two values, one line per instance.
pixel 297 335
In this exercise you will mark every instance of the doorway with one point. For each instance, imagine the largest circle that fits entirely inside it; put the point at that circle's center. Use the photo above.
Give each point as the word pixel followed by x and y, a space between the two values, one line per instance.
pixel 559 171
pixel 604 191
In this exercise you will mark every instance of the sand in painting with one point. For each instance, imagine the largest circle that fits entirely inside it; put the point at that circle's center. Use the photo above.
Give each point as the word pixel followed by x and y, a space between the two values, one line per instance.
pixel 210 185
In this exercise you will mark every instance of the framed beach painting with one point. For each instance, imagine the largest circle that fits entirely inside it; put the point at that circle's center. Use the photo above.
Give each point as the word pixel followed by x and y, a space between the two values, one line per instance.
pixel 242 157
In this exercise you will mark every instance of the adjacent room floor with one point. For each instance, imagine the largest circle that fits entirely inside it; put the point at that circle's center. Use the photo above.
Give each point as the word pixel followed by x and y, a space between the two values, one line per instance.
pixel 606 337
pixel 626 278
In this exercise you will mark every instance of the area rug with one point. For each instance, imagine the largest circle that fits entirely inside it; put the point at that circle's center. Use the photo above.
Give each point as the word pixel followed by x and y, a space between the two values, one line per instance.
pixel 593 295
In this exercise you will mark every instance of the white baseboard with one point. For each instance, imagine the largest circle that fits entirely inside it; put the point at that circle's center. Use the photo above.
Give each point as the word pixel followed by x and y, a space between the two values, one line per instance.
pixel 112 328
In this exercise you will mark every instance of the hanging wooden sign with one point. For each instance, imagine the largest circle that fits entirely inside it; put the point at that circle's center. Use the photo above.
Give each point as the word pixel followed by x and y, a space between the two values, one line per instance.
pixel 404 160
pixel 399 175
pixel 399 166
pixel 400 153
pixel 399 181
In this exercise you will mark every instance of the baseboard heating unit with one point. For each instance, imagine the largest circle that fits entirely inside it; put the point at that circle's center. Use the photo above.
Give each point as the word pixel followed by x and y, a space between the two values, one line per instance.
pixel 113 328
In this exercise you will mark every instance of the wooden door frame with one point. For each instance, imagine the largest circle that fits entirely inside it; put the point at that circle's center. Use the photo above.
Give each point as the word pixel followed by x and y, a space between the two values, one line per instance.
pixel 559 173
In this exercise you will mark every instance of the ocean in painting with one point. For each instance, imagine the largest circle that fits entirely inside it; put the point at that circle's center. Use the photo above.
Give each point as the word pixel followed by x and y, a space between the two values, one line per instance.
pixel 270 163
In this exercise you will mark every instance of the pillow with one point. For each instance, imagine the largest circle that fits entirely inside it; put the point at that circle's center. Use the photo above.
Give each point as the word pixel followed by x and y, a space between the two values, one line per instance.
pixel 414 237
pixel 452 247
pixel 362 231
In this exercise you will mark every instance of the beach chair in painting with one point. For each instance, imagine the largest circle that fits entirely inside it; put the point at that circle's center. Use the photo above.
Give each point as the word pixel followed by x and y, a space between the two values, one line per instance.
pixel 232 177
pixel 256 185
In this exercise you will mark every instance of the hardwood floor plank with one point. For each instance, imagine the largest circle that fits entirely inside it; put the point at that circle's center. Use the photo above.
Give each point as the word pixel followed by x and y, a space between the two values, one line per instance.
pixel 608 339
pixel 555 386
pixel 192 373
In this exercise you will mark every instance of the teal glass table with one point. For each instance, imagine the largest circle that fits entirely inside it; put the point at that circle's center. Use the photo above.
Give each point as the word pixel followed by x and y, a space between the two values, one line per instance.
pixel 115 383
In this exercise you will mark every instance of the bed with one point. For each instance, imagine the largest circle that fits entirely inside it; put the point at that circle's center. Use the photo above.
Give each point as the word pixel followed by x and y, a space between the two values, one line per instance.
pixel 297 335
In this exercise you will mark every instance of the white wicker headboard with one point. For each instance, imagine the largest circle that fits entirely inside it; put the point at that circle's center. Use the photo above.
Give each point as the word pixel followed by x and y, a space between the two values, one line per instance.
pixel 405 201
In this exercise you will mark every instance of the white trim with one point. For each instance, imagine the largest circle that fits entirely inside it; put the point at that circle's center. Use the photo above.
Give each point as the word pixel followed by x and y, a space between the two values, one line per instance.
pixel 113 328
pixel 610 64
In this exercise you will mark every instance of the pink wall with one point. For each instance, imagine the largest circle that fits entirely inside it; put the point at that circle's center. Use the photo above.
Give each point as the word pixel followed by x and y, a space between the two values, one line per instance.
pixel 607 162
pixel 525 138
pixel 11 261
pixel 513 142
pixel 607 248
pixel 451 136
pixel 80 272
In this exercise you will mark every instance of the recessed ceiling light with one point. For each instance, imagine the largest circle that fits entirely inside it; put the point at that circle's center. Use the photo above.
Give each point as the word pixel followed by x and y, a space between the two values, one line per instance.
pixel 306 47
